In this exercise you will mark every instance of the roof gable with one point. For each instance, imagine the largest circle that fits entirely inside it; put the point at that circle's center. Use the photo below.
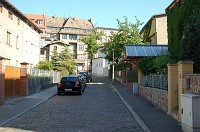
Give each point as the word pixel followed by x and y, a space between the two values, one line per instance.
pixel 71 23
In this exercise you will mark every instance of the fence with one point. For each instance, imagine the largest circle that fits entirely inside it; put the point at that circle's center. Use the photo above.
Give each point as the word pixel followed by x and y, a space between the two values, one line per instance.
pixel 37 76
pixel 156 81
pixel 39 80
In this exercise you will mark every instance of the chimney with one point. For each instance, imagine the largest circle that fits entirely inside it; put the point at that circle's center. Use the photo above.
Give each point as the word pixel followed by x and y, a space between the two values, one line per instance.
pixel 90 20
pixel 75 18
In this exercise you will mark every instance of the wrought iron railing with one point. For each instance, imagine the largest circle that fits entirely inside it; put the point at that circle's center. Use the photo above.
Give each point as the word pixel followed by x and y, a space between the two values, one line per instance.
pixel 155 81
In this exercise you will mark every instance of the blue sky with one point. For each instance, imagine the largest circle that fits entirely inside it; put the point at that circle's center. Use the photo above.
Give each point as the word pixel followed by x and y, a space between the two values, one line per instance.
pixel 104 13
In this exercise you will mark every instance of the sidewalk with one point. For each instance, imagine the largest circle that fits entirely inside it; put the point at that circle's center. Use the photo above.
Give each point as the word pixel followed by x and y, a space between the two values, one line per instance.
pixel 15 107
pixel 148 117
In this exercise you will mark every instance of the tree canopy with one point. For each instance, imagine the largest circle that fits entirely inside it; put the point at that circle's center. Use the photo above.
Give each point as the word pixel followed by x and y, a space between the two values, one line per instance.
pixel 128 33
pixel 60 61
pixel 92 44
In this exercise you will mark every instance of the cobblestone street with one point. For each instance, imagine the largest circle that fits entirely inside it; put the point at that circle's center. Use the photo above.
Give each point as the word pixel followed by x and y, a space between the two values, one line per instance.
pixel 98 109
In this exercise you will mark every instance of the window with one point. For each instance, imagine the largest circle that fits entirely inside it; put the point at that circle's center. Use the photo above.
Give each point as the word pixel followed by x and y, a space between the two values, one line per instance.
pixel 81 57
pixel 17 42
pixel 105 39
pixel 64 36
pixel 73 37
pixel 1 8
pixel 18 21
pixel 51 36
pixel 81 47
pixel 8 38
pixel 39 22
pixel 10 15
pixel 41 43
pixel 41 51
pixel 55 47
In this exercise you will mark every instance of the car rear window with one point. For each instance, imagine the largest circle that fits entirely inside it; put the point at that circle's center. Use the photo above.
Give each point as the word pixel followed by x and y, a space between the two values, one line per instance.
pixel 84 73
pixel 68 79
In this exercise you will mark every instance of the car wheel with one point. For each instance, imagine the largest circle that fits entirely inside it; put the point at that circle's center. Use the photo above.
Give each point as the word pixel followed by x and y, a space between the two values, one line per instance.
pixel 58 93
pixel 80 91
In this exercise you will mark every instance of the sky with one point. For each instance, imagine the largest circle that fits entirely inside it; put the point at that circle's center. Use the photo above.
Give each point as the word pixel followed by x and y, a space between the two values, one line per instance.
pixel 104 13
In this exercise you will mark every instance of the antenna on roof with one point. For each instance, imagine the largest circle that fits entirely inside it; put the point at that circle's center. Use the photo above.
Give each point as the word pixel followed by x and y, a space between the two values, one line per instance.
pixel 69 14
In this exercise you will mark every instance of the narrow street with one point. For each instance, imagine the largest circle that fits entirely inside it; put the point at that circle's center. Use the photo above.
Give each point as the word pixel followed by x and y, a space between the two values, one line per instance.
pixel 98 109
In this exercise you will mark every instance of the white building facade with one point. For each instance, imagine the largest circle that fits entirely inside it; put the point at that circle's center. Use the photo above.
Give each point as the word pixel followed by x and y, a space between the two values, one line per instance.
pixel 19 37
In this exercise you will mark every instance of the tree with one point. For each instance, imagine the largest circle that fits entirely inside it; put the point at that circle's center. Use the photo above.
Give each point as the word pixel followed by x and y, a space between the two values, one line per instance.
pixel 92 44
pixel 45 65
pixel 67 63
pixel 128 33
pixel 55 59
pixel 191 42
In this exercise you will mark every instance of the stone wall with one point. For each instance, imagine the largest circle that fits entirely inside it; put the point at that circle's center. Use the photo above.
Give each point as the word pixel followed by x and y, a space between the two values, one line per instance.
pixel 194 83
pixel 157 97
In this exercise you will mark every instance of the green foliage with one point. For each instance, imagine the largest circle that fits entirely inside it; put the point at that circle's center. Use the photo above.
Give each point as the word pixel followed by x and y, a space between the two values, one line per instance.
pixel 64 61
pixel 177 18
pixel 45 65
pixel 160 63
pixel 122 65
pixel 146 65
pixel 67 62
pixel 133 75
pixel 146 36
pixel 128 33
pixel 55 59
pixel 154 65
pixel 191 42
pixel 91 42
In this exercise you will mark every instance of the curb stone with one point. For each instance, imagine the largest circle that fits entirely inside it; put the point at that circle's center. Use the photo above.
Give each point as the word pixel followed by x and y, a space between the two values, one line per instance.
pixel 133 113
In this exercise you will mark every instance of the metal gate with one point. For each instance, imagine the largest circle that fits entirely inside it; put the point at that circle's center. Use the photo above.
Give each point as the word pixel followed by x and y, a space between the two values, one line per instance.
pixel 12 81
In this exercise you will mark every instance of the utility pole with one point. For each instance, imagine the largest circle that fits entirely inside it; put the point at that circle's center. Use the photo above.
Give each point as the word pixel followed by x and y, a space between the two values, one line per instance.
pixel 113 69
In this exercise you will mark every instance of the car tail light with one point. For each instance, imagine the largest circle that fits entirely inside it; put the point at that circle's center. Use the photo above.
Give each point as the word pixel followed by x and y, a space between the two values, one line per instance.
pixel 77 84
pixel 60 84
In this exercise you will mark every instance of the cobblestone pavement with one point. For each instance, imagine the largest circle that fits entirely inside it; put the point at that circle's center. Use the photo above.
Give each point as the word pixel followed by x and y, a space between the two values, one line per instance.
pixel 98 109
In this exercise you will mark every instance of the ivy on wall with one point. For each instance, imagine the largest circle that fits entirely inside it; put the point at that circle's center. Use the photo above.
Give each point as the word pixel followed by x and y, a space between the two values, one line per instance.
pixel 146 35
pixel 177 19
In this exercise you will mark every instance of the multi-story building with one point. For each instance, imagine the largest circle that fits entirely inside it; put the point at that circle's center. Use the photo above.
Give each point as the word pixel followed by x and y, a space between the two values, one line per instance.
pixel 106 33
pixel 62 32
pixel 69 31
pixel 155 30
pixel 40 21
pixel 19 37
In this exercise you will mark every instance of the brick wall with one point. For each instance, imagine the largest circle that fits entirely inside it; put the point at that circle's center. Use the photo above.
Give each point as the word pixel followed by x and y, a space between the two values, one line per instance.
pixel 157 97
pixel 24 80
pixel 2 82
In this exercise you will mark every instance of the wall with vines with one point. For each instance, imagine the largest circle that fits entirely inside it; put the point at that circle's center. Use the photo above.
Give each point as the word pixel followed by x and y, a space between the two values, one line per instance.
pixel 177 18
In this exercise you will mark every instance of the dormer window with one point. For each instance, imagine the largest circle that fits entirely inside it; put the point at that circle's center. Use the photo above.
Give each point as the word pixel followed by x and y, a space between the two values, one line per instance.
pixel 10 15
pixel 39 22
pixel 18 21
pixel 1 8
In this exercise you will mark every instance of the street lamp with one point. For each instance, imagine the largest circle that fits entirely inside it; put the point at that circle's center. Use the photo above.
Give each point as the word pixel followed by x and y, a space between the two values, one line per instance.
pixel 113 68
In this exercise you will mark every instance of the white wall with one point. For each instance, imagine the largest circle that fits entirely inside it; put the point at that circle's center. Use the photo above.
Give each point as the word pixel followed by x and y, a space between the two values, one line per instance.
pixel 28 49
pixel 100 67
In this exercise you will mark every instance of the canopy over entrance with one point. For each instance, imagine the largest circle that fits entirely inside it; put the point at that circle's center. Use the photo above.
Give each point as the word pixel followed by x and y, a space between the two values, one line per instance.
pixel 136 51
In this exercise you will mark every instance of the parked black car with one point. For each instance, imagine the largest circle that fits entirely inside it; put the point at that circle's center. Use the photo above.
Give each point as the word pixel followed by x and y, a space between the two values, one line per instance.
pixel 87 75
pixel 72 83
